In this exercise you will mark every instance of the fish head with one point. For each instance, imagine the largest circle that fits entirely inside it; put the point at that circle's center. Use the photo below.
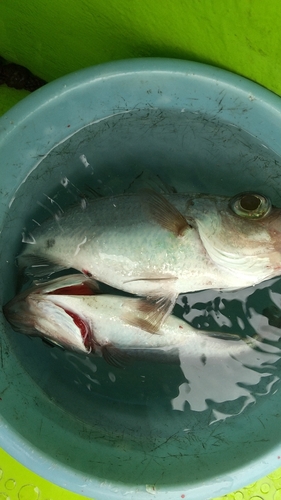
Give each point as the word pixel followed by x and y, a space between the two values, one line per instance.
pixel 241 234
pixel 35 312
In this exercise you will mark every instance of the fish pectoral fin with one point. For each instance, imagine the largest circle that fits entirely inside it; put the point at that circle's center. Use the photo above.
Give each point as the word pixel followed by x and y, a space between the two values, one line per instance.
pixel 156 280
pixel 223 335
pixel 164 213
pixel 37 266
pixel 71 284
pixel 150 314
pixel 114 356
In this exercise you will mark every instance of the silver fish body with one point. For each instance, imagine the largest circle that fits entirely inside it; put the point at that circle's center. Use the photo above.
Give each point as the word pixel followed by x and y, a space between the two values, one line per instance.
pixel 98 324
pixel 158 247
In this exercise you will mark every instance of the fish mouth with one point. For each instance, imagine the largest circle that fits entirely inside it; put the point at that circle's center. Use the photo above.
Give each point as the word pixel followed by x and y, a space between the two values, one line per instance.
pixel 37 312
pixel 22 320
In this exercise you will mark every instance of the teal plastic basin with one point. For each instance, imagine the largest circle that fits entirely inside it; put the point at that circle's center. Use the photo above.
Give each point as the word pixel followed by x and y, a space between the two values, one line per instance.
pixel 75 420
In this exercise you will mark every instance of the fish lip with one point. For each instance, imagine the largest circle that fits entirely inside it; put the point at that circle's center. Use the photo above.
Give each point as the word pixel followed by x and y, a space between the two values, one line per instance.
pixel 8 311
pixel 5 310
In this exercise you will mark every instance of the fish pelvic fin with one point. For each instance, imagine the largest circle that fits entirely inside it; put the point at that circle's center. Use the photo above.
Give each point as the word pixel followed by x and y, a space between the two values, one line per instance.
pixel 149 315
pixel 71 284
pixel 164 213
pixel 114 356
pixel 38 266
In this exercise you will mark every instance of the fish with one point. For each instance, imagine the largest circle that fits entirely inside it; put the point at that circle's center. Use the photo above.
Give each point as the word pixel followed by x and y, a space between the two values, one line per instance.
pixel 71 313
pixel 157 246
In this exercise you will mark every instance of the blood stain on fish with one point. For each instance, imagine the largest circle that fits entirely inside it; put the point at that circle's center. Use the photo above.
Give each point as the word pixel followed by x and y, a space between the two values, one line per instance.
pixel 83 327
pixel 81 289
pixel 87 273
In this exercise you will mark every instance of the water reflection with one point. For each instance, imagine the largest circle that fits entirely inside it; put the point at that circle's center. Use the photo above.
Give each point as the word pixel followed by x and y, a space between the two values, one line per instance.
pixel 222 371
pixel 213 379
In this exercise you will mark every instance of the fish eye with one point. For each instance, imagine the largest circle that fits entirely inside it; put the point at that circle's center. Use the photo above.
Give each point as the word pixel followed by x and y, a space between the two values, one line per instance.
pixel 250 205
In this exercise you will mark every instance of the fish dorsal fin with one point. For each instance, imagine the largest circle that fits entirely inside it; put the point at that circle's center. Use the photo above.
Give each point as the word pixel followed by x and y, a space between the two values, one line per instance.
pixel 164 213
pixel 147 179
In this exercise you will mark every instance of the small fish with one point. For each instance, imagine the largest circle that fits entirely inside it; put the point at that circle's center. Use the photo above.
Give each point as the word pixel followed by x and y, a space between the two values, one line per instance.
pixel 158 246
pixel 69 312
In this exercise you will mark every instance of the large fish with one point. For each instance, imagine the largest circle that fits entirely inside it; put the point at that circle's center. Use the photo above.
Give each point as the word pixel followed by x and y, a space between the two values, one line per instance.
pixel 159 246
pixel 69 312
